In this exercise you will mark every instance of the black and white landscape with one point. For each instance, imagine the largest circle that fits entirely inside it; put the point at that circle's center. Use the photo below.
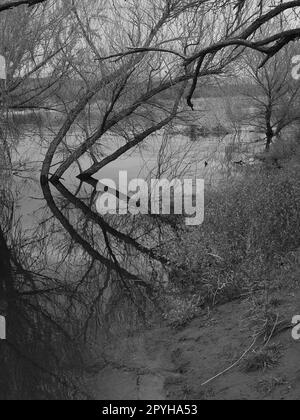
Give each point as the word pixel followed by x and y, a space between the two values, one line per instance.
pixel 121 278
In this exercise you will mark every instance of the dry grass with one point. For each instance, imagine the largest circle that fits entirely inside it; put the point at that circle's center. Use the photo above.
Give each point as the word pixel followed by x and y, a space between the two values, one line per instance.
pixel 264 359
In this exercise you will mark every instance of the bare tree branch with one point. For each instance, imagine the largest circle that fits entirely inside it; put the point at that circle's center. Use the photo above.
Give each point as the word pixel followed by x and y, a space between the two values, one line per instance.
pixel 13 4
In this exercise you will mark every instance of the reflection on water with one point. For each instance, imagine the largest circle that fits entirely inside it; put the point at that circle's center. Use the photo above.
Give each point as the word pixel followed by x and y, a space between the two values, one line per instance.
pixel 173 155
pixel 160 155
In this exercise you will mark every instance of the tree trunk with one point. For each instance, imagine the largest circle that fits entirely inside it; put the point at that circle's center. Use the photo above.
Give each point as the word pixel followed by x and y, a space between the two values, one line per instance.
pixel 269 130
pixel 6 278
pixel 269 141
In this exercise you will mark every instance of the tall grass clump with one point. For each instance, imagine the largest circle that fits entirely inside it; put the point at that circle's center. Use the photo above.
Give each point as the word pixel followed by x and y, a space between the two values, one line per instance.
pixel 250 224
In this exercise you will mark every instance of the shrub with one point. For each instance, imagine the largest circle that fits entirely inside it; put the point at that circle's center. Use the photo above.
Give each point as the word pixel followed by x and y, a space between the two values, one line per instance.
pixel 248 225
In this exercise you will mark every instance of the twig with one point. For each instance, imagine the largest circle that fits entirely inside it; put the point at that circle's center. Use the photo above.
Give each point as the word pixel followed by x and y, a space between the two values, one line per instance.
pixel 273 330
pixel 232 366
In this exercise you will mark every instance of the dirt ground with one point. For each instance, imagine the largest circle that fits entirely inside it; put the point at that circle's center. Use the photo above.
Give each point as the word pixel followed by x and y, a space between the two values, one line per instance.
pixel 205 349
pixel 168 364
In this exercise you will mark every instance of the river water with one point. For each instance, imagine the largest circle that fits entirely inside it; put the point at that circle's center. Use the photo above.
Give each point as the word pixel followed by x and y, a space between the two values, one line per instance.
pixel 205 158
pixel 142 372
